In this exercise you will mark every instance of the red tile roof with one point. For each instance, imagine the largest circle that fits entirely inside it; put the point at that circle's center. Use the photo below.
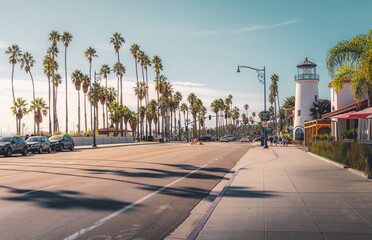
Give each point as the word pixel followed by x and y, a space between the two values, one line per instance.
pixel 354 106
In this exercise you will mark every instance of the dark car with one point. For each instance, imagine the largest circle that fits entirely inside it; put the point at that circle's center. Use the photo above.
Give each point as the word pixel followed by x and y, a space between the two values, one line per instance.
pixel 10 145
pixel 60 142
pixel 39 144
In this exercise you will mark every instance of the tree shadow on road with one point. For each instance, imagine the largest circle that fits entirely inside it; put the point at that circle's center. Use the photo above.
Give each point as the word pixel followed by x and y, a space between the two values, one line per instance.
pixel 63 200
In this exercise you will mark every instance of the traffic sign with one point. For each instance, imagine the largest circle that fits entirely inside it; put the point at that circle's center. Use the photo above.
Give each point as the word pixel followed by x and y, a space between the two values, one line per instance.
pixel 265 124
pixel 265 116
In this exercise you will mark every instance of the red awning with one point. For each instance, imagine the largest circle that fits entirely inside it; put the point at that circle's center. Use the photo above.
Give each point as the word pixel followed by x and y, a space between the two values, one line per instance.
pixel 344 115
pixel 361 114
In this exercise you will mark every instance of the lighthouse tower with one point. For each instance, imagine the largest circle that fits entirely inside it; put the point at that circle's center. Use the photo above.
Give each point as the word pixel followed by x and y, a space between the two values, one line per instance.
pixel 306 93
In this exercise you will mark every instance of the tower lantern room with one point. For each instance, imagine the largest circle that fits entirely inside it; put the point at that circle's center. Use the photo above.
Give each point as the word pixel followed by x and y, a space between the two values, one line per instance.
pixel 306 70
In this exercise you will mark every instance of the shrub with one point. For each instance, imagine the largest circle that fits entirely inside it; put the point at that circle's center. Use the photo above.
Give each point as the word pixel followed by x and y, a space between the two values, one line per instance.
pixel 355 155
pixel 290 139
pixel 350 134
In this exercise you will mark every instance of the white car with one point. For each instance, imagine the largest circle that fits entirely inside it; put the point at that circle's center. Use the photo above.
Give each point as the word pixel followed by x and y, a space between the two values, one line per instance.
pixel 224 139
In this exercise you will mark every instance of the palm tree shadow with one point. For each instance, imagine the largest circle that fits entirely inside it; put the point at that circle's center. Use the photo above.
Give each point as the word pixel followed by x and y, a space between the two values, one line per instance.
pixel 63 200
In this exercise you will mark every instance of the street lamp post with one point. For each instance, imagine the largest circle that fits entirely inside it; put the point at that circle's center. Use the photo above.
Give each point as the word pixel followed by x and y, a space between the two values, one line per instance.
pixel 261 75
pixel 97 78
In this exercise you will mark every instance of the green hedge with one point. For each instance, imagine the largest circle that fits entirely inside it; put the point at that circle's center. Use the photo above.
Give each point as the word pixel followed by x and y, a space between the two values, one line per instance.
pixel 355 155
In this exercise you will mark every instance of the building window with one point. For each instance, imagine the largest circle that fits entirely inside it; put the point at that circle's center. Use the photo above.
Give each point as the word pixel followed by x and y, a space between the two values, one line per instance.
pixel 298 113
pixel 316 98
pixel 333 108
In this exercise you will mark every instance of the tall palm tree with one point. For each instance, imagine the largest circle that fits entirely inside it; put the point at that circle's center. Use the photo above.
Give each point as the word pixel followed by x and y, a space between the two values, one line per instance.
pixel 134 49
pixel 194 110
pixel 66 38
pixel 350 61
pixel 56 82
pixel 47 64
pixel 254 116
pixel 85 80
pixel 178 99
pixel 19 109
pixel 116 114
pixel 117 40
pixel 167 94
pixel 146 64
pixel 216 108
pixel 102 98
pixel 104 71
pixel 151 113
pixel 111 96
pixel 126 116
pixel 15 54
pixel 94 94
pixel 246 107
pixel 40 108
pixel 141 91
pixel 158 66
pixel 77 79
pixel 90 53
pixel 27 61
pixel 54 37
pixel 184 108
pixel 133 122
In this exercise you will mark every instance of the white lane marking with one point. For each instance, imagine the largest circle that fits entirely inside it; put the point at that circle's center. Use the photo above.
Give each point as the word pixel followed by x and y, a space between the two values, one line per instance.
pixel 124 209
pixel 162 208
pixel 40 189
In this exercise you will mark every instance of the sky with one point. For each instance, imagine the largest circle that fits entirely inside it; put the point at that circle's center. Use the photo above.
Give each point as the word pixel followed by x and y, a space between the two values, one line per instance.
pixel 200 42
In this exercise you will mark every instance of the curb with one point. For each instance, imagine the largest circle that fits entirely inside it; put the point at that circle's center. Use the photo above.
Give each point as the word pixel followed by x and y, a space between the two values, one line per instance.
pixel 355 171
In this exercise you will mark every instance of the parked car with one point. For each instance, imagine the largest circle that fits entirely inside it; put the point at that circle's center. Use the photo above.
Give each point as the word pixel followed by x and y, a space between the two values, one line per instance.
pixel 246 139
pixel 10 145
pixel 39 145
pixel 60 142
pixel 231 138
pixel 224 139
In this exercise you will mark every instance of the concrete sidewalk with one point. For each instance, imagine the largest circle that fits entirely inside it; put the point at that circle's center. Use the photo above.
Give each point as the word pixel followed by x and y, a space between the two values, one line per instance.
pixel 285 193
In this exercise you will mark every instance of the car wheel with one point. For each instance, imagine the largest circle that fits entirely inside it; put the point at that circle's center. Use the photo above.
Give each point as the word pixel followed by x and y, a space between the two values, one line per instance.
pixel 8 152
pixel 72 148
pixel 24 152
pixel 40 150
pixel 49 150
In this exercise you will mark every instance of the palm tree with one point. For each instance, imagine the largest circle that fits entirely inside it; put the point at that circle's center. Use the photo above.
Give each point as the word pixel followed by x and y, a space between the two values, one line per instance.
pixel 289 102
pixel 274 95
pixel 47 63
pixel 140 91
pixel 194 110
pixel 77 79
pixel 216 108
pixel 178 99
pixel 111 97
pixel 116 114
pixel 40 108
pixel 117 40
pixel 134 49
pixel 54 37
pixel 66 38
pixel 19 109
pixel 126 116
pixel 133 122
pixel 254 116
pixel 85 80
pixel 15 53
pixel 102 98
pixel 94 94
pixel 90 53
pixel 151 113
pixel 184 109
pixel 158 66
pixel 104 71
pixel 56 82
pixel 320 108
pixel 167 92
pixel 235 115
pixel 27 61
pixel 350 61
pixel 246 107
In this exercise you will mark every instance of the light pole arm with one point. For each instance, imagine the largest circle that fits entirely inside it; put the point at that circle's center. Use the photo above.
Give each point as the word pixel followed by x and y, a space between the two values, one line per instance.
pixel 251 68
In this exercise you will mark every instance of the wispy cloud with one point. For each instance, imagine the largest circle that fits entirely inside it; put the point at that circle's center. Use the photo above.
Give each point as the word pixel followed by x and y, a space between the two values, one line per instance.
pixel 246 29
pixel 193 84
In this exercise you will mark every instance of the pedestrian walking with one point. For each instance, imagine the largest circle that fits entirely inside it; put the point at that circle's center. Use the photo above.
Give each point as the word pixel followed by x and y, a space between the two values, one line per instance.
pixel 271 140
pixel 283 139
pixel 276 141
pixel 280 141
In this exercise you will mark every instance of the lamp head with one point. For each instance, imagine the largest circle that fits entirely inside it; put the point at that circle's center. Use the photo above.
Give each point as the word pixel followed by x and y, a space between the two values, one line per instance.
pixel 238 70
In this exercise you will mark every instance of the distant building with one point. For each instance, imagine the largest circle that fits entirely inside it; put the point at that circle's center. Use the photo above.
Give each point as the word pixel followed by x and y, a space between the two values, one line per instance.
pixel 306 93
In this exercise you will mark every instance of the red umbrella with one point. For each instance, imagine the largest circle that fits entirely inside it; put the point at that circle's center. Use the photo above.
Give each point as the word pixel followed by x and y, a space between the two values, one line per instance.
pixel 344 115
pixel 361 114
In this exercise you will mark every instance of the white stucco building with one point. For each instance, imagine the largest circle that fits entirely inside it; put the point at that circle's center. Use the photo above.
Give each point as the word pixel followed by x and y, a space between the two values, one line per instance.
pixel 306 93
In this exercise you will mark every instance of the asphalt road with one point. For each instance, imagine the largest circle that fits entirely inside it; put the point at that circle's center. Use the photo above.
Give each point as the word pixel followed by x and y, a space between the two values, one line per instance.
pixel 131 192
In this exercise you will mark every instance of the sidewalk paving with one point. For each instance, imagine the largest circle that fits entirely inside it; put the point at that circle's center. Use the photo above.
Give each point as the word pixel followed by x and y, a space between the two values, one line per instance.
pixel 285 193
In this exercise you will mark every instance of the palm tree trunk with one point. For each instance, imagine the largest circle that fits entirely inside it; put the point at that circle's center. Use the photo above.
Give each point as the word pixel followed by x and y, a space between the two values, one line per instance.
pixel 66 89
pixel 217 126
pixel 85 111
pixel 135 60
pixel 158 133
pixel 13 82
pixel 79 112
pixel 50 118
pixel 33 93
pixel 107 123
pixel 103 115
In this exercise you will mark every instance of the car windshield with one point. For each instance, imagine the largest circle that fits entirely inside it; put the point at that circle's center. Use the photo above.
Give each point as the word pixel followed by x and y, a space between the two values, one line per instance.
pixel 59 137
pixel 5 139
pixel 34 139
